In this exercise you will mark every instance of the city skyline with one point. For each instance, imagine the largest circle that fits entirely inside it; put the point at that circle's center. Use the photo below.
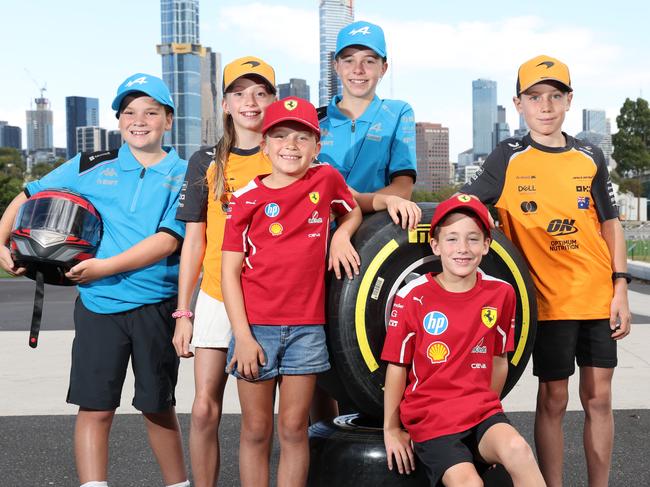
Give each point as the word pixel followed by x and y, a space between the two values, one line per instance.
pixel 477 41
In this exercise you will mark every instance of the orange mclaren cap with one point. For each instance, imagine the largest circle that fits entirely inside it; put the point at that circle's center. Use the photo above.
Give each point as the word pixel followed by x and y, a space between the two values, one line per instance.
pixel 542 68
pixel 248 65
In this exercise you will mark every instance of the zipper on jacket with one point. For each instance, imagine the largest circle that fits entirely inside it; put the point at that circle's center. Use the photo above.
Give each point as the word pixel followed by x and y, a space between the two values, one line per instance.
pixel 136 196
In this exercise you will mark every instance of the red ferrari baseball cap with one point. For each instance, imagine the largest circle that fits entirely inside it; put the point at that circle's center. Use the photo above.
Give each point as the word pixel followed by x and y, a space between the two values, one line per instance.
pixel 291 108
pixel 463 202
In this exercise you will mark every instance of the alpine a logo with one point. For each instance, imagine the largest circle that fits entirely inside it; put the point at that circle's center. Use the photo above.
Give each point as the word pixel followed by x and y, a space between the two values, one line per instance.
pixel 140 81
pixel 363 30
pixel 559 227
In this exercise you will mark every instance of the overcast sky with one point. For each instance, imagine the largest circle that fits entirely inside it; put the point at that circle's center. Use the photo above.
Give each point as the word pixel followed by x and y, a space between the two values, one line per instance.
pixel 435 47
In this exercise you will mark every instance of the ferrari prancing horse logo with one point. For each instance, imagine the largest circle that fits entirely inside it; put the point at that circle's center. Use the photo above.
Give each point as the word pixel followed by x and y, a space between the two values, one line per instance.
pixel 489 316
pixel 290 104
pixel 314 197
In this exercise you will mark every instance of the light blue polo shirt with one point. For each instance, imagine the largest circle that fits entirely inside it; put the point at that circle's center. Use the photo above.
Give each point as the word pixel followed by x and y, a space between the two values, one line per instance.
pixel 134 202
pixel 371 150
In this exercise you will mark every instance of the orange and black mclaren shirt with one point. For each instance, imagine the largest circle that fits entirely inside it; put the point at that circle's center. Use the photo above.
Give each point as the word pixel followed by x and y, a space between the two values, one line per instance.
pixel 551 201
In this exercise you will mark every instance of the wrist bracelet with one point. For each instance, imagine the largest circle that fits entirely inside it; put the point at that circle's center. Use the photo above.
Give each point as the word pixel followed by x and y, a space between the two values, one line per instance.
pixel 622 275
pixel 182 313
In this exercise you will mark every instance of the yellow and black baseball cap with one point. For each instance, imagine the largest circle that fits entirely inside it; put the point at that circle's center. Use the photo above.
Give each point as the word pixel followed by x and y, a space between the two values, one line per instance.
pixel 542 68
pixel 248 65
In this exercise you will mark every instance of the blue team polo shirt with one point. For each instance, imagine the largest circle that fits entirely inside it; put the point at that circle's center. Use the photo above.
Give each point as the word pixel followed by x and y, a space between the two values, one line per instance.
pixel 371 150
pixel 134 202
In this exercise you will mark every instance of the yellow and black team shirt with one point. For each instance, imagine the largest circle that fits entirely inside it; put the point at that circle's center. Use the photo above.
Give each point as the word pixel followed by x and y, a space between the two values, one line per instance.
pixel 197 203
pixel 551 202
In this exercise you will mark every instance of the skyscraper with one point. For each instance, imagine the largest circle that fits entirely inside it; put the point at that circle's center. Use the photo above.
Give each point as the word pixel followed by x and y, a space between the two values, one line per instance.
pixel 79 112
pixel 295 87
pixel 181 53
pixel 484 115
pixel 10 136
pixel 91 139
pixel 596 129
pixel 501 128
pixel 594 121
pixel 113 139
pixel 211 95
pixel 40 135
pixel 432 152
pixel 333 15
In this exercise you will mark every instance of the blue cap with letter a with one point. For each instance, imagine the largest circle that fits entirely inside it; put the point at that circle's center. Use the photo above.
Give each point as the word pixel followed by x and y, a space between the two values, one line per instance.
pixel 361 33
pixel 144 83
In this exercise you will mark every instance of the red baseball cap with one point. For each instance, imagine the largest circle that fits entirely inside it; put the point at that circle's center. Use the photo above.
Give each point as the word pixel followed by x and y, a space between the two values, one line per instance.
pixel 461 202
pixel 291 108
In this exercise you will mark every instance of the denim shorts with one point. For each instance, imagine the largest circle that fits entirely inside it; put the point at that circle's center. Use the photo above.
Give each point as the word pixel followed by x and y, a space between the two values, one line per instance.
pixel 289 350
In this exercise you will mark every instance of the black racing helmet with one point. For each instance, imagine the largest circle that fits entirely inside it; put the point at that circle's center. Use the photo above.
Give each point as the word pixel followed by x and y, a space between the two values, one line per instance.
pixel 53 231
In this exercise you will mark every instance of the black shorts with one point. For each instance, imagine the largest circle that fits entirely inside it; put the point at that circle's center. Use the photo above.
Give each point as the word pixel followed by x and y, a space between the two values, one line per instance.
pixel 559 344
pixel 102 347
pixel 442 453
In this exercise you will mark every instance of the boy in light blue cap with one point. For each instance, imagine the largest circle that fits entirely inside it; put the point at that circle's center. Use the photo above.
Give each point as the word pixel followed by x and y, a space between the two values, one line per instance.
pixel 127 293
pixel 370 141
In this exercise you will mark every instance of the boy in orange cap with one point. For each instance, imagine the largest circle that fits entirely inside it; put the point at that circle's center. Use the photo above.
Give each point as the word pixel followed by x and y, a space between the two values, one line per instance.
pixel 556 203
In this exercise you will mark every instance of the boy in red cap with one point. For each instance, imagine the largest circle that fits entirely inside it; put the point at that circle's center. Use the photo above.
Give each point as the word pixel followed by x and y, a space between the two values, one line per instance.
pixel 556 203
pixel 446 344
pixel 273 281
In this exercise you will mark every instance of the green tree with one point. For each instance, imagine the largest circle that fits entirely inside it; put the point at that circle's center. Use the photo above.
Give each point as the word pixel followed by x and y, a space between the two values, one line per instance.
pixel 422 195
pixel 12 173
pixel 632 143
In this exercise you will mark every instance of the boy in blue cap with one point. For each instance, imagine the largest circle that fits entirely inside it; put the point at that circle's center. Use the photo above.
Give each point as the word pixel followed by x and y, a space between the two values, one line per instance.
pixel 370 141
pixel 127 294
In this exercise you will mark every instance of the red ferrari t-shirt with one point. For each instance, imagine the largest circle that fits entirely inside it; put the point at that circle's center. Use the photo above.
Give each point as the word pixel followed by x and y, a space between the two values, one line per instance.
pixel 283 233
pixel 448 340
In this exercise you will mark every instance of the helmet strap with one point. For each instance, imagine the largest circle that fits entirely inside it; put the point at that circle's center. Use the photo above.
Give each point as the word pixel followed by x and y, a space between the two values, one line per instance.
pixel 38 310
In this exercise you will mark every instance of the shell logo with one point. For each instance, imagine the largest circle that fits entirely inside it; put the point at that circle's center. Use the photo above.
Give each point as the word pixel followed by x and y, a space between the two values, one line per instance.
pixel 275 229
pixel 438 352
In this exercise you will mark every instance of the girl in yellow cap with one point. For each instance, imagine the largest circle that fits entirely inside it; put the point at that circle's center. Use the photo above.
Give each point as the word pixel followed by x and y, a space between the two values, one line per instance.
pixel 213 174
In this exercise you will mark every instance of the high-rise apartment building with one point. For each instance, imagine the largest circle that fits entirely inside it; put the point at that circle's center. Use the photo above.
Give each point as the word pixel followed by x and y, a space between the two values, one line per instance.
pixel 91 139
pixel 432 153
pixel 10 136
pixel 79 112
pixel 333 16
pixel 182 54
pixel 484 116
pixel 40 135
pixel 295 87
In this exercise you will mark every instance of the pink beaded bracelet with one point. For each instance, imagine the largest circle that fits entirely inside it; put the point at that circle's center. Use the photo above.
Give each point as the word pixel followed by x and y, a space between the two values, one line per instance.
pixel 182 313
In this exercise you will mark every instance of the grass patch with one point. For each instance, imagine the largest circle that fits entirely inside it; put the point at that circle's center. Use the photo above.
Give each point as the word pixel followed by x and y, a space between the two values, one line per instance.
pixel 3 274
pixel 638 250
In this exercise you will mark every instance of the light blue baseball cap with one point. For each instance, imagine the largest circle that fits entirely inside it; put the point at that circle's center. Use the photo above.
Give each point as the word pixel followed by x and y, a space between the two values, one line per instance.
pixel 144 83
pixel 361 33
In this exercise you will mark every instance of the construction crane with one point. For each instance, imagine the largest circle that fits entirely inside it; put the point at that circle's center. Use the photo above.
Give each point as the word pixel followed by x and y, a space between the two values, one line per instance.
pixel 42 88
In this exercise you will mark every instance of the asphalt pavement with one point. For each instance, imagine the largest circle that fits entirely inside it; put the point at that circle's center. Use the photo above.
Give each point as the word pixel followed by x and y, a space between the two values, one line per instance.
pixel 36 425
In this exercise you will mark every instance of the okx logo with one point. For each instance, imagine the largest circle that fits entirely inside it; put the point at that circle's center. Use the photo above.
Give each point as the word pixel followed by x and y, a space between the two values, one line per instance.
pixel 559 227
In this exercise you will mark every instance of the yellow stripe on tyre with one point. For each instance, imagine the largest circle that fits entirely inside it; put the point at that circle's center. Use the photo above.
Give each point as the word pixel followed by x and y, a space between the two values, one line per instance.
pixel 362 299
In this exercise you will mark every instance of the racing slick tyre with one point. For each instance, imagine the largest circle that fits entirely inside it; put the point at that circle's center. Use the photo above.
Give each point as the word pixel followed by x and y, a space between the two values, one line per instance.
pixel 358 309
pixel 349 451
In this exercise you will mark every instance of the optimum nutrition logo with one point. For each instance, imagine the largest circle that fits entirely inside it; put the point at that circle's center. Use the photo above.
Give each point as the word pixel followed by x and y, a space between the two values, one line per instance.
pixel 559 227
